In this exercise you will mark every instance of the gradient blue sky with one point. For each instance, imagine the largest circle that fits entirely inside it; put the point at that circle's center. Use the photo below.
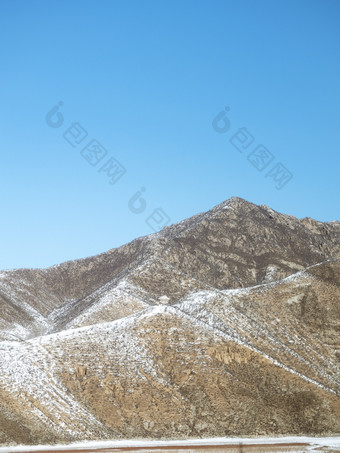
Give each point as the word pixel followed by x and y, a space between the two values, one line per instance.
pixel 146 79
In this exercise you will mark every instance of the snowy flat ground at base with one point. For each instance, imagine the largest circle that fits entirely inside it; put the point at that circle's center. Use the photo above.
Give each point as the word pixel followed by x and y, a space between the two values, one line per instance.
pixel 332 442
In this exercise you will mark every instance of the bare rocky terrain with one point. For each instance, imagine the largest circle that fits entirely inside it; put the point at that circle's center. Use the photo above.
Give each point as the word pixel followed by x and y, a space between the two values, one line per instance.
pixel 225 324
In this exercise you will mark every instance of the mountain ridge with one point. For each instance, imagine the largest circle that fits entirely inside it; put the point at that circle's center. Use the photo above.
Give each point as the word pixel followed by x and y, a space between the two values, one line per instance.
pixel 226 323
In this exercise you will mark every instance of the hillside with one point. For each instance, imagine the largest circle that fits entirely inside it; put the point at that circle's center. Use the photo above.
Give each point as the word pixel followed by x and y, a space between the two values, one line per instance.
pixel 224 324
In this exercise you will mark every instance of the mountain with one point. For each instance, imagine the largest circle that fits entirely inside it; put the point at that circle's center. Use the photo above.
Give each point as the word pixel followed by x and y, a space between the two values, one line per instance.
pixel 224 324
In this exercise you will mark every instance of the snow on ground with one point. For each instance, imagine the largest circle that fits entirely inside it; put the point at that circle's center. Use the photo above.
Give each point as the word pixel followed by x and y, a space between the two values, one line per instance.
pixel 122 296
pixel 192 308
pixel 234 326
pixel 128 352
pixel 17 298
pixel 24 373
pixel 314 442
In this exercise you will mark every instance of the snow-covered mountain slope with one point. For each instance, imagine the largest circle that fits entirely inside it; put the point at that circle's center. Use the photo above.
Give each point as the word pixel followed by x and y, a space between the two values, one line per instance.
pixel 224 324
pixel 295 321
pixel 158 373
pixel 236 244
pixel 35 402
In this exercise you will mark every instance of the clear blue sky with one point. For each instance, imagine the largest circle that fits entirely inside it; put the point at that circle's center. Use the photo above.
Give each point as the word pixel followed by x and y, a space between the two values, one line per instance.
pixel 146 79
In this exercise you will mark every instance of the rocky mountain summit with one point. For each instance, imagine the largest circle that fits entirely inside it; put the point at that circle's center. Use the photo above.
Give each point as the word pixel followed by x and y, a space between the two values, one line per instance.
pixel 224 324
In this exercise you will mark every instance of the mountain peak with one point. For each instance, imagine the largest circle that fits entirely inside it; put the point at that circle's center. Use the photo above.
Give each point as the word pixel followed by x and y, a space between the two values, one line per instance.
pixel 233 202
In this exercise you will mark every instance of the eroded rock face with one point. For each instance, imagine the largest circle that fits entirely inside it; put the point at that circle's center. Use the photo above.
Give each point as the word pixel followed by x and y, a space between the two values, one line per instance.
pixel 224 324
